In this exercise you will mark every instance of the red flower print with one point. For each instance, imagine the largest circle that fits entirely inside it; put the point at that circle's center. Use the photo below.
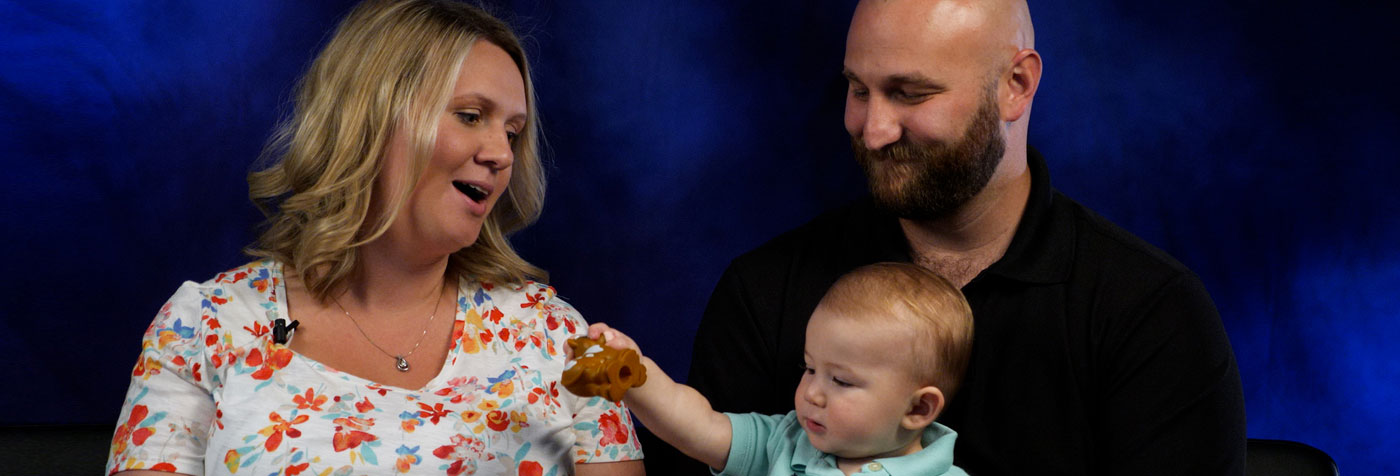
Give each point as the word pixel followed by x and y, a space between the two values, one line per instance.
pixel 349 432
pixel 218 300
pixel 146 367
pixel 276 360
pixel 432 413
pixel 530 468
pixel 495 315
pixel 296 469
pixel 258 330
pixel 532 300
pixel 163 467
pixel 464 453
pixel 613 431
pixel 497 420
pixel 485 337
pixel 309 400
pixel 129 431
pixel 211 339
pixel 279 427
pixel 364 406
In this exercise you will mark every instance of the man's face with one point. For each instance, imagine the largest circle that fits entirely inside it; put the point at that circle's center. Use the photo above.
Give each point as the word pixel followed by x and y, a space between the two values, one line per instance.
pixel 930 181
pixel 921 106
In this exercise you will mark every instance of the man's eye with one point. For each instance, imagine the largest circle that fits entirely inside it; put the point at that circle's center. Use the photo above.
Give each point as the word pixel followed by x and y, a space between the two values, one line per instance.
pixel 469 117
pixel 907 96
pixel 859 93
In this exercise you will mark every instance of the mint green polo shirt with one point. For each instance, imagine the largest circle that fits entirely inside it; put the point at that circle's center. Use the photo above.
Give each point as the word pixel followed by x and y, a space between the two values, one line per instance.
pixel 776 445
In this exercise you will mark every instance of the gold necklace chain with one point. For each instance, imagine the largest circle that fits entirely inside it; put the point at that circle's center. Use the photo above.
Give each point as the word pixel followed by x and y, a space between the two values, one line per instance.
pixel 400 361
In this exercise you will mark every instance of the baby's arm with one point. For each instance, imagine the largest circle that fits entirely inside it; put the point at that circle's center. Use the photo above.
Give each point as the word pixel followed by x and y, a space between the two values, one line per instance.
pixel 674 412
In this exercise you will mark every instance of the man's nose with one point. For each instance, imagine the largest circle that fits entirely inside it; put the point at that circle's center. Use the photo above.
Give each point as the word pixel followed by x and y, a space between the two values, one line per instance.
pixel 881 126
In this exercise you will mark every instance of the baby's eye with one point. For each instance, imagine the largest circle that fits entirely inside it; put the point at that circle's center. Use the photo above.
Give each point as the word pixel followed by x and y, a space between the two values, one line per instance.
pixel 806 369
pixel 469 117
pixel 841 383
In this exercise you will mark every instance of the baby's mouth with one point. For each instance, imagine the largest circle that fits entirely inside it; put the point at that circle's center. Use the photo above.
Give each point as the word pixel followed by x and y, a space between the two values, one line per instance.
pixel 474 192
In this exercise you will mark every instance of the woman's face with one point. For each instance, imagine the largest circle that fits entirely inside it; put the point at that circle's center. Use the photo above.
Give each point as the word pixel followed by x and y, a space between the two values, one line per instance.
pixel 471 162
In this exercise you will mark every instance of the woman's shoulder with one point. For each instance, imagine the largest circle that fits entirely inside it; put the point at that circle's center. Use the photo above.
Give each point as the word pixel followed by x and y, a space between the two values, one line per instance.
pixel 245 297
pixel 529 300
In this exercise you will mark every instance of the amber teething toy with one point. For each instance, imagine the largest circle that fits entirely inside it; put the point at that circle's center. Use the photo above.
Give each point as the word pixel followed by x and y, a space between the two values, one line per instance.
pixel 601 371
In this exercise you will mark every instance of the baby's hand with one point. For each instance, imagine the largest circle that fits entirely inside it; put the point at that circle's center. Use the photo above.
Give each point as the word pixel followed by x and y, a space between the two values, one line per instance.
pixel 612 337
pixel 606 367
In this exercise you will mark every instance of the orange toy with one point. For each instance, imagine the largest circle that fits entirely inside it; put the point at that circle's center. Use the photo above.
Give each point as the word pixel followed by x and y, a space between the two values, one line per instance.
pixel 601 371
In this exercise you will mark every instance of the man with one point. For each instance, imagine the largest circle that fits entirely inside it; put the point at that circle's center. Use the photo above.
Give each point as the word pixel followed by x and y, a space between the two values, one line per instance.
pixel 1095 353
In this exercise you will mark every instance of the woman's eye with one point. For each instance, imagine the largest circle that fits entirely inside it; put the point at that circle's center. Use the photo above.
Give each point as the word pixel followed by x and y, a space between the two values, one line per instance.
pixel 510 136
pixel 469 117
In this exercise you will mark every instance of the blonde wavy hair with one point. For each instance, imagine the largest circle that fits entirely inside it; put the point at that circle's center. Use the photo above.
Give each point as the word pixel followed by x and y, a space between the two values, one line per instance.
pixel 390 64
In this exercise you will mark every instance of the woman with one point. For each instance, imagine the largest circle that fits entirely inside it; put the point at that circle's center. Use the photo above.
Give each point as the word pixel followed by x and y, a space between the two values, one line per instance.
pixel 422 346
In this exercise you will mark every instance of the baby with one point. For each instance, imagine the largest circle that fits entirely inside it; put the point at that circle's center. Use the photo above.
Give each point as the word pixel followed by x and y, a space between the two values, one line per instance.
pixel 885 350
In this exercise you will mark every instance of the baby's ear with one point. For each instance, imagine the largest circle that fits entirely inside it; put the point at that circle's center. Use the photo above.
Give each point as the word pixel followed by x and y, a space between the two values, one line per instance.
pixel 927 405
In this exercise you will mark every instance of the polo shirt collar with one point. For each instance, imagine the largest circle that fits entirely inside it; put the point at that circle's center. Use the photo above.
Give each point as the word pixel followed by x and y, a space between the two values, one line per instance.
pixel 1042 249
pixel 935 458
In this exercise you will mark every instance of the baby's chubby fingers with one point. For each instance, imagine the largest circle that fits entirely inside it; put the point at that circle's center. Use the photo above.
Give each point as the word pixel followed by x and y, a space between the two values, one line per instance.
pixel 613 337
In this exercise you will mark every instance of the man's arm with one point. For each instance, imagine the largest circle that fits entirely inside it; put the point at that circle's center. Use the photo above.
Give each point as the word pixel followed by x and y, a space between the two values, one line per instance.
pixel 672 411
pixel 1172 399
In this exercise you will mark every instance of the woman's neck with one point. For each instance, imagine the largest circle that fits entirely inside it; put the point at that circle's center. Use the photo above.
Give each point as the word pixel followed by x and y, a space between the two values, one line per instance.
pixel 386 278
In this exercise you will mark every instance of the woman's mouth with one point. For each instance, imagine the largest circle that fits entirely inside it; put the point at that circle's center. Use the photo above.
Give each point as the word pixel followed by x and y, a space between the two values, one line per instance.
pixel 475 192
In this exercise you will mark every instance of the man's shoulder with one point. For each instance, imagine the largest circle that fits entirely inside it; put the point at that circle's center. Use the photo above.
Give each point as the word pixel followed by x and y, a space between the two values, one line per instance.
pixel 1107 249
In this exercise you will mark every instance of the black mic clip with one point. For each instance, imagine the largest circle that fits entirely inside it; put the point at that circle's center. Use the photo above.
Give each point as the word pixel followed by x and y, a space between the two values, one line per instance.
pixel 281 331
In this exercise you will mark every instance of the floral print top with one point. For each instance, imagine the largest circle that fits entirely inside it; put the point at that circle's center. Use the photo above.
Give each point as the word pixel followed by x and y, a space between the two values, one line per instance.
pixel 213 394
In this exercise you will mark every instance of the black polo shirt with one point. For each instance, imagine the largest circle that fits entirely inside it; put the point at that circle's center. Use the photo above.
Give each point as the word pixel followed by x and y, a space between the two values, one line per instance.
pixel 1095 352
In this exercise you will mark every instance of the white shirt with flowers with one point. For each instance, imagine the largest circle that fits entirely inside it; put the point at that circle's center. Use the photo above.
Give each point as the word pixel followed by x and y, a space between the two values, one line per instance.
pixel 213 394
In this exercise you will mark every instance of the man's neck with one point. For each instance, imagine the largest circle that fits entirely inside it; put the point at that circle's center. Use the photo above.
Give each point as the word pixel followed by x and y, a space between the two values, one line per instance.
pixel 961 245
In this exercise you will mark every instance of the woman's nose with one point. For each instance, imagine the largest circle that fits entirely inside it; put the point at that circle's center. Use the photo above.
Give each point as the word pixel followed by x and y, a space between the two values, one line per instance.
pixel 496 152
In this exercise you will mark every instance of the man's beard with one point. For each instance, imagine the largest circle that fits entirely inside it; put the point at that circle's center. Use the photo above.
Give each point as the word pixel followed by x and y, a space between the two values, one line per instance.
pixel 932 181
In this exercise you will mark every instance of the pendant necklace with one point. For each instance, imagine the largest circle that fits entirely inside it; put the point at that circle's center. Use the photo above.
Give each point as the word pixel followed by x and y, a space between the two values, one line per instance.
pixel 400 361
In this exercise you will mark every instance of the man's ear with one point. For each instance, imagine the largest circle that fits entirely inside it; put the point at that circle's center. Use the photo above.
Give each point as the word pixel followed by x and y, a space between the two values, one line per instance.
pixel 1018 85
pixel 927 405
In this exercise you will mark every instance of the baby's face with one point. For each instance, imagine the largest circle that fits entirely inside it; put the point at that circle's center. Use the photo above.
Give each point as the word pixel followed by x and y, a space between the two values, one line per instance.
pixel 856 387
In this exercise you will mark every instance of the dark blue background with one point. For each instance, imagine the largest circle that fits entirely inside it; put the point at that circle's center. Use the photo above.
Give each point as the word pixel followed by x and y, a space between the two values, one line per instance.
pixel 1255 141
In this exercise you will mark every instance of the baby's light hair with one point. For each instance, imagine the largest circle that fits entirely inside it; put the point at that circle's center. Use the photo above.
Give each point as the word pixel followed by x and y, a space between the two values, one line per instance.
pixel 935 311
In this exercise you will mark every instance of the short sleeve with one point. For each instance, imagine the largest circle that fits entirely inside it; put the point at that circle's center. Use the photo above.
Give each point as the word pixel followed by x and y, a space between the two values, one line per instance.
pixel 165 419
pixel 748 445
pixel 603 430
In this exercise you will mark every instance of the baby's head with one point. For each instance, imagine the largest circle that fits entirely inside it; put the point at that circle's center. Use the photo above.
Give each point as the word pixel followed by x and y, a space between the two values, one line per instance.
pixel 886 349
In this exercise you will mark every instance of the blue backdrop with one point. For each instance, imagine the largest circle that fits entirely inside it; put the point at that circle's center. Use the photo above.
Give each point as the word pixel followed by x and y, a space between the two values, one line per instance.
pixel 1255 141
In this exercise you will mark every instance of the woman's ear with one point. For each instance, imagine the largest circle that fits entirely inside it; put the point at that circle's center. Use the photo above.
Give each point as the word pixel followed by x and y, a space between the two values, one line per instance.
pixel 927 405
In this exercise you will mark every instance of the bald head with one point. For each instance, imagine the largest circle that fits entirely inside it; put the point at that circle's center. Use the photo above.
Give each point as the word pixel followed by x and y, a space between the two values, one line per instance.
pixel 991 30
